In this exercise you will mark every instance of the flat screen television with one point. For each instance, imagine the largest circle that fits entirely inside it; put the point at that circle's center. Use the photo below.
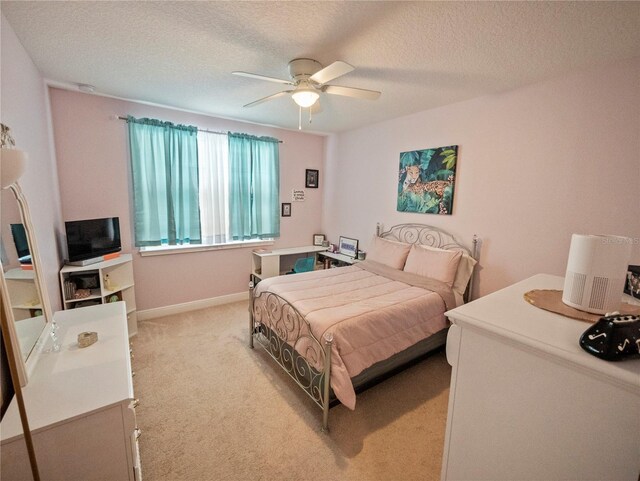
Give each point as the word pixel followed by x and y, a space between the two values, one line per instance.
pixel 91 238
pixel 22 244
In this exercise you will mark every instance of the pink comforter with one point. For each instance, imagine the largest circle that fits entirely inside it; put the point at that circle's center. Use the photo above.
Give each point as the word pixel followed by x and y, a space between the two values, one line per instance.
pixel 371 316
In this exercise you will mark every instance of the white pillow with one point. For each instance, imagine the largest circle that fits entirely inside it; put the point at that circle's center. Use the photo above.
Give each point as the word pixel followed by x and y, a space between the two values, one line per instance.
pixel 437 264
pixel 464 271
pixel 391 253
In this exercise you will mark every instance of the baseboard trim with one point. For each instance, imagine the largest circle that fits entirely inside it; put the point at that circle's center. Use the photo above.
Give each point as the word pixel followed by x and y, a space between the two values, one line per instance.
pixel 191 306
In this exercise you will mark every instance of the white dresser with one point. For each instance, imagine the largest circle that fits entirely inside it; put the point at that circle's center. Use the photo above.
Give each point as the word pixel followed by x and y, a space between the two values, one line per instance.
pixel 79 403
pixel 527 403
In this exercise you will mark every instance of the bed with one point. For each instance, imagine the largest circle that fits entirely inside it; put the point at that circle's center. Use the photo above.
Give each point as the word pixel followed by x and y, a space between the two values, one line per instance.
pixel 337 331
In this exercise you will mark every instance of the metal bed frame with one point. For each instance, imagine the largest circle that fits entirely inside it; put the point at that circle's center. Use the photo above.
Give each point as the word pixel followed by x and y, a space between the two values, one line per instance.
pixel 286 335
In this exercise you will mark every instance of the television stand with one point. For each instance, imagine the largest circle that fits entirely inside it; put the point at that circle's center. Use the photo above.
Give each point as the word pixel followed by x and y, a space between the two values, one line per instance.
pixel 103 282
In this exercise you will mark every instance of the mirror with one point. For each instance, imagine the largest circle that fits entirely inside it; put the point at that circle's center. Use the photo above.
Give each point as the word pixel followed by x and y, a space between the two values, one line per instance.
pixel 20 274
pixel 19 337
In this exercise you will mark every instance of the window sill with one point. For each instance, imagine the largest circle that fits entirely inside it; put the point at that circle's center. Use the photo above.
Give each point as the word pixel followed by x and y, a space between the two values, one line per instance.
pixel 169 250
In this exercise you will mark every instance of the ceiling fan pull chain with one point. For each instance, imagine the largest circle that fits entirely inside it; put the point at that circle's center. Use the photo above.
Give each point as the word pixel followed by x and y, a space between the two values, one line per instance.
pixel 309 115
pixel 299 118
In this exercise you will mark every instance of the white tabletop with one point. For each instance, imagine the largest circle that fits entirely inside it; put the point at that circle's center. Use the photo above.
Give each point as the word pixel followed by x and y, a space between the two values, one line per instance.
pixel 505 313
pixel 74 382
pixel 290 251
pixel 121 259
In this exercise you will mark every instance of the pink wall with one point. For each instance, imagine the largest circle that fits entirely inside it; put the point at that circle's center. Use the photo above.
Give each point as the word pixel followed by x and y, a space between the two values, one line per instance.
pixel 24 109
pixel 93 163
pixel 535 165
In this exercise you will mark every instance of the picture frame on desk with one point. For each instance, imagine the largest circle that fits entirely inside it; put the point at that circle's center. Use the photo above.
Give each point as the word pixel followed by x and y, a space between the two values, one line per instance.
pixel 318 239
pixel 348 246
pixel 632 286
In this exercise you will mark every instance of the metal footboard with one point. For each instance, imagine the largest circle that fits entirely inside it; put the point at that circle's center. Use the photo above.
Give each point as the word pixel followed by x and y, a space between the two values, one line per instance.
pixel 286 335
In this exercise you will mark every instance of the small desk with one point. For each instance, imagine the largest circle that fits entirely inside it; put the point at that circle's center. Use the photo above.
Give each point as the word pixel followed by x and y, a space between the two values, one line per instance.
pixel 275 262
pixel 340 258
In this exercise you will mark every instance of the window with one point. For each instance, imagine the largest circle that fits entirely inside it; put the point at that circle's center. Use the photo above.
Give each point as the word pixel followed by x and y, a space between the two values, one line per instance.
pixel 213 185
pixel 201 188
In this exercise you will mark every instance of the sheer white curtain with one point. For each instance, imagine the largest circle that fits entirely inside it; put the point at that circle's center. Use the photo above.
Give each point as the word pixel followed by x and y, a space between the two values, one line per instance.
pixel 213 165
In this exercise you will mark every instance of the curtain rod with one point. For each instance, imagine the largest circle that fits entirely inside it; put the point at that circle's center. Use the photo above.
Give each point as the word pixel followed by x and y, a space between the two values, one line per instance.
pixel 201 130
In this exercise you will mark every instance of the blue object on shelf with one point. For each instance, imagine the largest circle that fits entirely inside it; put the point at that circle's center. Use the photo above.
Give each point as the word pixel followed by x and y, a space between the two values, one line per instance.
pixel 304 264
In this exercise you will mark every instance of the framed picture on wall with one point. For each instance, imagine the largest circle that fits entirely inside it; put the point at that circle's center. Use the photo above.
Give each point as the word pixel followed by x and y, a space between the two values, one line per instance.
pixel 318 239
pixel 311 178
pixel 348 246
pixel 286 209
pixel 426 180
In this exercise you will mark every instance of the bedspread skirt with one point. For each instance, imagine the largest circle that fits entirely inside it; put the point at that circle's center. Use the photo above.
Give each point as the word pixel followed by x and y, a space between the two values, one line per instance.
pixel 370 316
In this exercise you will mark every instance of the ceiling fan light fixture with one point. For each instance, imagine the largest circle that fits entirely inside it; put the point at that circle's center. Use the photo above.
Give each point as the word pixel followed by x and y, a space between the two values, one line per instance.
pixel 305 97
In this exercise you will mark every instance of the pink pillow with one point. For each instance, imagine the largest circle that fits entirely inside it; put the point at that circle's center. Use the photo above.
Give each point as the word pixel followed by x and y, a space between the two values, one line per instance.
pixel 438 264
pixel 465 270
pixel 387 252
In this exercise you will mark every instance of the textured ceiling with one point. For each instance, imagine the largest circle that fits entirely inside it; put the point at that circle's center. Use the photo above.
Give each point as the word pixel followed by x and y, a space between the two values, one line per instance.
pixel 419 54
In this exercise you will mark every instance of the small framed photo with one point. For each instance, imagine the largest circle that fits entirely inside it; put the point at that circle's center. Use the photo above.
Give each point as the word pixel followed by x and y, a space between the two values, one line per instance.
pixel 311 178
pixel 348 246
pixel 633 281
pixel 318 239
pixel 286 209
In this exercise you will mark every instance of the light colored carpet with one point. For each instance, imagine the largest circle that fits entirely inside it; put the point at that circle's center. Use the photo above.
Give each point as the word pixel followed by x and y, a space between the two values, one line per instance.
pixel 211 408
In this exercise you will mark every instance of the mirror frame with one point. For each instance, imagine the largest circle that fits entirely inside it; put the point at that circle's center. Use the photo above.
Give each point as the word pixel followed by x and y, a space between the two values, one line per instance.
pixel 9 173
pixel 25 215
pixel 17 366
pixel 10 341
pixel 24 300
pixel 10 335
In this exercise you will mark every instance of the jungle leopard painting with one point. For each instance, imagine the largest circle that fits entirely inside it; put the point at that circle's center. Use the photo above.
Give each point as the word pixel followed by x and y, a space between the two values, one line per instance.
pixel 426 180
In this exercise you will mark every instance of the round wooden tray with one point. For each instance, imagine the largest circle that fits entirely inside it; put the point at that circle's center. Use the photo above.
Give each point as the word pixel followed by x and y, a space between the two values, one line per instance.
pixel 551 300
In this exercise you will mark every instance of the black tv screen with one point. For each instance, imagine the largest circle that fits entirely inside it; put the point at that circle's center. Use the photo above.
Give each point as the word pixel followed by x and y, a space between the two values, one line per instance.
pixel 22 244
pixel 92 238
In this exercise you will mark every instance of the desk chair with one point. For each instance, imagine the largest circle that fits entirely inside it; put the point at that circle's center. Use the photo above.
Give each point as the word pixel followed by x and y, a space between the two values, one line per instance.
pixel 304 264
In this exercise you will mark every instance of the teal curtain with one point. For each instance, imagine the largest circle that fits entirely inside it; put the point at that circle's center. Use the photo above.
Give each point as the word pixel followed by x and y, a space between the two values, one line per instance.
pixel 164 162
pixel 254 187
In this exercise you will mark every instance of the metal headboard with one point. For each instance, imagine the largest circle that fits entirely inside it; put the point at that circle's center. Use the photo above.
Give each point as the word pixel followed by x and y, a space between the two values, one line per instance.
pixel 431 236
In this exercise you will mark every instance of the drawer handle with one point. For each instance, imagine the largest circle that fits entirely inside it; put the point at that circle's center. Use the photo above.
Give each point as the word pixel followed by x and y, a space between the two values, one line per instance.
pixel 136 402
pixel 133 374
pixel 138 433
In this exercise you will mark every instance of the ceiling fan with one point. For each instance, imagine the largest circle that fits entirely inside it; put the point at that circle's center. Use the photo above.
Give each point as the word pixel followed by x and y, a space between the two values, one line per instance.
pixel 309 79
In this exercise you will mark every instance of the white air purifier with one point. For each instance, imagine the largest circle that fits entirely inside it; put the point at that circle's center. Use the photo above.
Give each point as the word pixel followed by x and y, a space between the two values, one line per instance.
pixel 596 272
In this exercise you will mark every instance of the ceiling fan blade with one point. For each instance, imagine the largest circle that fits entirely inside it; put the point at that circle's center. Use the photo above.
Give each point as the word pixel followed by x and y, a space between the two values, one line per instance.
pixel 333 71
pixel 269 97
pixel 352 92
pixel 263 77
